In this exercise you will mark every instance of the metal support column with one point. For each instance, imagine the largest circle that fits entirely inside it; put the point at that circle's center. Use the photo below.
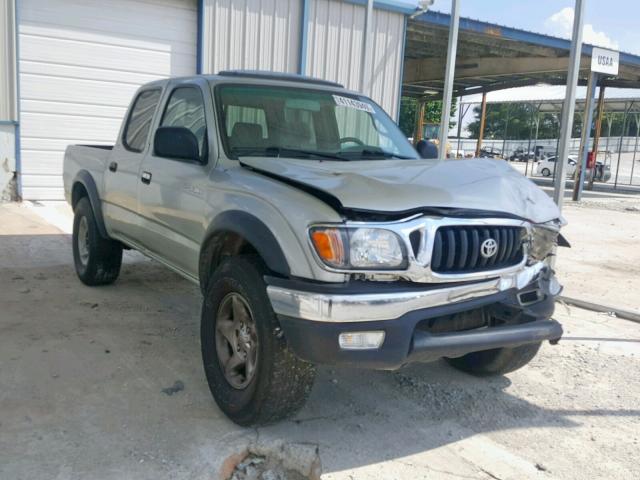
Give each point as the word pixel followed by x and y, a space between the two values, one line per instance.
pixel 506 130
pixel 569 102
pixel 447 95
pixel 596 138
pixel 461 114
pixel 526 166
pixel 635 148
pixel 460 117
pixel 586 134
pixel 624 128
pixel 483 119
pixel 537 120
pixel 418 132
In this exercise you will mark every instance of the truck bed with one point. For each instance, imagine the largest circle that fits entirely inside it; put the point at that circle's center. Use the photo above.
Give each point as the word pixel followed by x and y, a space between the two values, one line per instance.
pixel 93 158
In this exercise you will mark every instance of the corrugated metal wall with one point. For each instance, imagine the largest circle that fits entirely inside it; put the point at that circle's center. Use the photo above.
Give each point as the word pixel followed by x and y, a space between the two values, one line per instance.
pixel 8 109
pixel 334 48
pixel 251 34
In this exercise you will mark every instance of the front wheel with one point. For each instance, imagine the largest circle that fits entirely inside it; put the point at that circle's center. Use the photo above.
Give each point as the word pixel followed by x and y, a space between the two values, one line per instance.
pixel 97 260
pixel 497 361
pixel 253 376
pixel 546 172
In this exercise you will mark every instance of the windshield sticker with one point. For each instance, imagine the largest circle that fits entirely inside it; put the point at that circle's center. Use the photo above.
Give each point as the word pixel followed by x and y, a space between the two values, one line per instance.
pixel 352 103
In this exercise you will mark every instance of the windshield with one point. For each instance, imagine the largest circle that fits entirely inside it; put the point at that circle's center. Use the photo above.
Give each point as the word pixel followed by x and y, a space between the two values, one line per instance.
pixel 302 123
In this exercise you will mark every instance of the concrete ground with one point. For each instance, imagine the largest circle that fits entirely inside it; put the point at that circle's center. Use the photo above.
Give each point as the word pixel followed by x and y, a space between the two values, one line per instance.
pixel 106 383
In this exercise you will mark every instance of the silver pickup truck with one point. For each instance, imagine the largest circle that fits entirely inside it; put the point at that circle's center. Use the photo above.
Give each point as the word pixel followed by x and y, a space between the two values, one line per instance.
pixel 316 234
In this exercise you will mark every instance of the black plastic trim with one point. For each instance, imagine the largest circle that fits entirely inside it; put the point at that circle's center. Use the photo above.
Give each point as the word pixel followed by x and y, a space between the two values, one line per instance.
pixel 253 231
pixel 291 77
pixel 426 347
pixel 405 341
pixel 86 180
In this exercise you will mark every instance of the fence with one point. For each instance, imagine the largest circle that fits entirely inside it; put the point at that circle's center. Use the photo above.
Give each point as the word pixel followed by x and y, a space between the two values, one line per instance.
pixel 611 144
pixel 623 160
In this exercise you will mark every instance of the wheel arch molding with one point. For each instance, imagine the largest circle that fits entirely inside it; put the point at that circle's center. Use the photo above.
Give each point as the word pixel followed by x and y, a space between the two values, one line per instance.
pixel 84 185
pixel 233 231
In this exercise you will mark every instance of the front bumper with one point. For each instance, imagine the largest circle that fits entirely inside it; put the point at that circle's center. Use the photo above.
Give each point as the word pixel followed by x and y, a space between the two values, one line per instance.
pixel 313 316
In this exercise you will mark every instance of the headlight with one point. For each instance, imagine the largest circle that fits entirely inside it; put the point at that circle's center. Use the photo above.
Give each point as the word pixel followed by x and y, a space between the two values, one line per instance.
pixel 543 241
pixel 359 248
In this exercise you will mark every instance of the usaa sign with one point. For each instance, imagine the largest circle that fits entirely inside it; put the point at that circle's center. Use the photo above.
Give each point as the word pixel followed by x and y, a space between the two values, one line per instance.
pixel 605 61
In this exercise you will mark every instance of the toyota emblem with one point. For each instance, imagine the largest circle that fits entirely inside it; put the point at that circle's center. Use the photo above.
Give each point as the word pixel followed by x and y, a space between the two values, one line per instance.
pixel 488 248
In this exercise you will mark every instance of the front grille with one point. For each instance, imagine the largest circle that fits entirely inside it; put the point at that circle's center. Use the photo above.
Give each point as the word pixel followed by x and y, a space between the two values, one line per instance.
pixel 457 249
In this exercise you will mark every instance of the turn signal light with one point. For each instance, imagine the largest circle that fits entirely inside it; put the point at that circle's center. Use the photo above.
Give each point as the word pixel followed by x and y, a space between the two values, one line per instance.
pixel 329 244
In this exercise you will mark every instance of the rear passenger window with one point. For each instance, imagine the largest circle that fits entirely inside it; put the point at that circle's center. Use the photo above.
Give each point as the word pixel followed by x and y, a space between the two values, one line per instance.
pixel 139 121
pixel 186 109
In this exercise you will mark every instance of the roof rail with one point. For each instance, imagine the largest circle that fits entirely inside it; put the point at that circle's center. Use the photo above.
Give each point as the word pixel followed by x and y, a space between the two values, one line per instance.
pixel 289 77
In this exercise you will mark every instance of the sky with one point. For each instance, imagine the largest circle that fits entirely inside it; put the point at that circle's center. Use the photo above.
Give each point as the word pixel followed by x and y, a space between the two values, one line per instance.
pixel 612 23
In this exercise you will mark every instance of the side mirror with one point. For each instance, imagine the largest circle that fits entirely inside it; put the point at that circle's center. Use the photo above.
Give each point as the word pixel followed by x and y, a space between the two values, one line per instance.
pixel 176 142
pixel 427 149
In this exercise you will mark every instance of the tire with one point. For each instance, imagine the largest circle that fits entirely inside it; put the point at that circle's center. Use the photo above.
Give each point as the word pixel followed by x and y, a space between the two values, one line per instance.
pixel 280 382
pixel 97 260
pixel 495 362
pixel 546 172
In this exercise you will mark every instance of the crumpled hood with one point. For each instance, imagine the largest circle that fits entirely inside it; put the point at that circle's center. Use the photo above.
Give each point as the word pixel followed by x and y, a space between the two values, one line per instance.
pixel 402 185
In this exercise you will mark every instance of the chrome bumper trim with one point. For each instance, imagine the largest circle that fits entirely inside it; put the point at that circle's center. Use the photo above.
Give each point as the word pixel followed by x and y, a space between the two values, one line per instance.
pixel 322 307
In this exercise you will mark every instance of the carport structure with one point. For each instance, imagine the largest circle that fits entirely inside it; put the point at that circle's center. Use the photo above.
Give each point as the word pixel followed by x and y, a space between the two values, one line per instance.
pixel 494 57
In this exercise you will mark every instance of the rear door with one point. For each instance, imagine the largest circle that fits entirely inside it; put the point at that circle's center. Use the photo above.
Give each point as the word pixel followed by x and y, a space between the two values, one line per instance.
pixel 121 178
pixel 173 192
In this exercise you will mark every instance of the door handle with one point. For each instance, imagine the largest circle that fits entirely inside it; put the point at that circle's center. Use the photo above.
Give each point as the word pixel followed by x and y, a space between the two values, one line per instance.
pixel 146 177
pixel 113 166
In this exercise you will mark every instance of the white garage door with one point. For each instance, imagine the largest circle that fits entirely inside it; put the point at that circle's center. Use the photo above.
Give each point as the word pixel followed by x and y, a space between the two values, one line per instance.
pixel 80 63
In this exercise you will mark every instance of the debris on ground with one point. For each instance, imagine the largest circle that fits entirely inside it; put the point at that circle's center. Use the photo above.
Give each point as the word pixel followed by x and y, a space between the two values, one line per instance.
pixel 178 386
pixel 274 460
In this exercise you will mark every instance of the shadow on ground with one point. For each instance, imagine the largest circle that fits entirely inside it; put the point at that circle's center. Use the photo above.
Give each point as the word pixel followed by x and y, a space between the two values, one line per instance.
pixel 85 371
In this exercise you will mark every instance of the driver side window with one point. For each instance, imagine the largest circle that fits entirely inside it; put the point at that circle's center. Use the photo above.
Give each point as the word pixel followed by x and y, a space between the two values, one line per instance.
pixel 358 124
pixel 185 108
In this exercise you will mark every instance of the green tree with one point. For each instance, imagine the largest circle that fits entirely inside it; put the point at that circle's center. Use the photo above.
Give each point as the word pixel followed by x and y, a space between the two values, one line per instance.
pixel 433 112
pixel 521 124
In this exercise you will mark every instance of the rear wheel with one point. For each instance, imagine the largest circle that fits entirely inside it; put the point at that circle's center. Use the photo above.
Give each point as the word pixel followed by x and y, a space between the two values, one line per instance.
pixel 97 260
pixel 497 361
pixel 253 376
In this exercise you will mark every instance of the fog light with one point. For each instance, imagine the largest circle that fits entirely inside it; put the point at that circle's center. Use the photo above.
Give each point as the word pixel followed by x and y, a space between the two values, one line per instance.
pixel 361 340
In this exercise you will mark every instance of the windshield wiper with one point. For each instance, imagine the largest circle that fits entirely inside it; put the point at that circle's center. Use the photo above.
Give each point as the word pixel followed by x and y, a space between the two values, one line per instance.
pixel 373 152
pixel 287 152
pixel 383 153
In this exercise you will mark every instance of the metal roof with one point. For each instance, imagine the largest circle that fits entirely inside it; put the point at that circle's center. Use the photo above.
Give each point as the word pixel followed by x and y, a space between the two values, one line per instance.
pixel 401 6
pixel 494 57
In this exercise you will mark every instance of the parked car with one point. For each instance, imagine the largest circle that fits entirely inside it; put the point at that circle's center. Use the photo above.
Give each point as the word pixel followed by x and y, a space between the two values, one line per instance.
pixel 520 155
pixel 547 166
pixel 490 152
pixel 316 235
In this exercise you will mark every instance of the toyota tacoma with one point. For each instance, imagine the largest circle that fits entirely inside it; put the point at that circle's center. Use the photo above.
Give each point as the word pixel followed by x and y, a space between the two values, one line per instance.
pixel 316 235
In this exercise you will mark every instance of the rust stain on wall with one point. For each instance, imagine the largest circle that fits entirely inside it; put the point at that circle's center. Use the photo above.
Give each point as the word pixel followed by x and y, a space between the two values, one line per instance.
pixel 493 31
